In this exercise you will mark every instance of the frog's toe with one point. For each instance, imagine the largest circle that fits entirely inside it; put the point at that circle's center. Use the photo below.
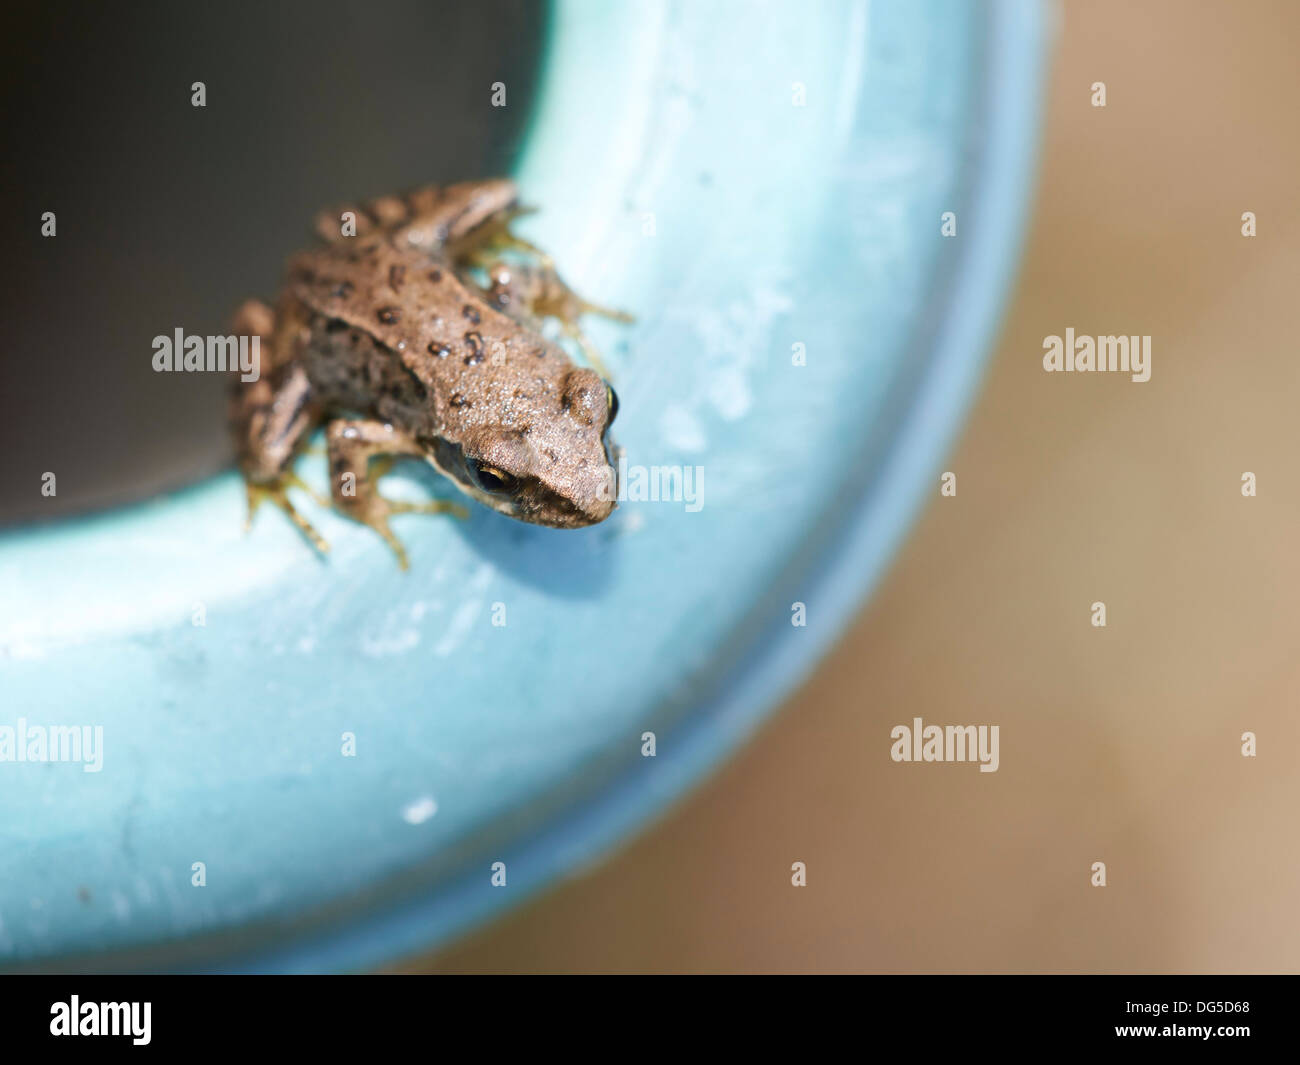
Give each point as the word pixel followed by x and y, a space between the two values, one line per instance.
pixel 380 524
pixel 612 313
pixel 437 506
pixel 588 349
pixel 377 519
pixel 292 480
pixel 275 492
pixel 375 511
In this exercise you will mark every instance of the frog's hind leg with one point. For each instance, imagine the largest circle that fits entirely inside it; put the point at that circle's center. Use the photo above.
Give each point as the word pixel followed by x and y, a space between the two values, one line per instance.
pixel 271 418
pixel 352 444
pixel 433 218
pixel 469 225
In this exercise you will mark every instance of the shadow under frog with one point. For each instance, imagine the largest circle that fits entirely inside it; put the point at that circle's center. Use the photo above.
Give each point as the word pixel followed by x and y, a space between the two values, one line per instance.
pixel 566 566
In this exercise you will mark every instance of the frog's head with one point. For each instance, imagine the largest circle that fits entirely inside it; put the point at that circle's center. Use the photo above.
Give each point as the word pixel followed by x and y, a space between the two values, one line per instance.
pixel 559 471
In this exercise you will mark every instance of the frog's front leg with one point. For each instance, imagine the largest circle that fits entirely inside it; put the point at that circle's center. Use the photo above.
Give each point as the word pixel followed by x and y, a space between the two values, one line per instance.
pixel 352 444
pixel 529 292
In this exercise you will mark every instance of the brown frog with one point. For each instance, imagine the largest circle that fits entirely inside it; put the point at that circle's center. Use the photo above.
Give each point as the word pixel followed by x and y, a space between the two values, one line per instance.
pixel 383 335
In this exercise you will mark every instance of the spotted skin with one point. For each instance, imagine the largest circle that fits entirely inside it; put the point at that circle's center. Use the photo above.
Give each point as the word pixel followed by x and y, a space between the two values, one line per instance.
pixel 387 331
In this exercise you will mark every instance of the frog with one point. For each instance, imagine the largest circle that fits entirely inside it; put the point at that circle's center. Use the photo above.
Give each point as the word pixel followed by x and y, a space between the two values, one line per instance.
pixel 384 336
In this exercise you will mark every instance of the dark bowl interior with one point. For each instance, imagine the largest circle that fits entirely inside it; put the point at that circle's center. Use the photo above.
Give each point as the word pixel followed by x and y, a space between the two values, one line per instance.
pixel 170 215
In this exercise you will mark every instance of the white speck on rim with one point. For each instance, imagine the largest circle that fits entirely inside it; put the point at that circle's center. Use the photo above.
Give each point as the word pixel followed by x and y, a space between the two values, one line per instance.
pixel 420 811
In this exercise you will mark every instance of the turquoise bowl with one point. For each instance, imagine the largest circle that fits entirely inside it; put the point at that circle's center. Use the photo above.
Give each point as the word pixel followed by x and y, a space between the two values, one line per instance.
pixel 764 186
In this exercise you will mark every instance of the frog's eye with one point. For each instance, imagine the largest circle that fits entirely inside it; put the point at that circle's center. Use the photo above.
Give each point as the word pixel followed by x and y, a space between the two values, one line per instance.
pixel 491 479
pixel 611 403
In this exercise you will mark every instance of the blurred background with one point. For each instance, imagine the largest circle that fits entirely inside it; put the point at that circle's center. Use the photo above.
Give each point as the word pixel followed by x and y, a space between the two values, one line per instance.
pixel 1119 744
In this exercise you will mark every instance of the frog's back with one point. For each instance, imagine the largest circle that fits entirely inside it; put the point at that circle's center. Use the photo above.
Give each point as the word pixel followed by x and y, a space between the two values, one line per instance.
pixel 391 325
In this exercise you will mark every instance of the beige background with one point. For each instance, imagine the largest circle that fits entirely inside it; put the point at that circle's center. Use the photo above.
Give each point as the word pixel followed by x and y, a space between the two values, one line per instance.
pixel 1120 744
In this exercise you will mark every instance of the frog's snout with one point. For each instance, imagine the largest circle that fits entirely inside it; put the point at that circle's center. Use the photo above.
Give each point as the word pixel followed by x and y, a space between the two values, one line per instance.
pixel 592 506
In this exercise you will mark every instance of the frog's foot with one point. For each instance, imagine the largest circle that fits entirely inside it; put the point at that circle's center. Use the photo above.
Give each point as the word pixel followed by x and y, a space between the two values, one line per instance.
pixel 481 246
pixel 377 511
pixel 588 349
pixel 276 492
pixel 352 445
